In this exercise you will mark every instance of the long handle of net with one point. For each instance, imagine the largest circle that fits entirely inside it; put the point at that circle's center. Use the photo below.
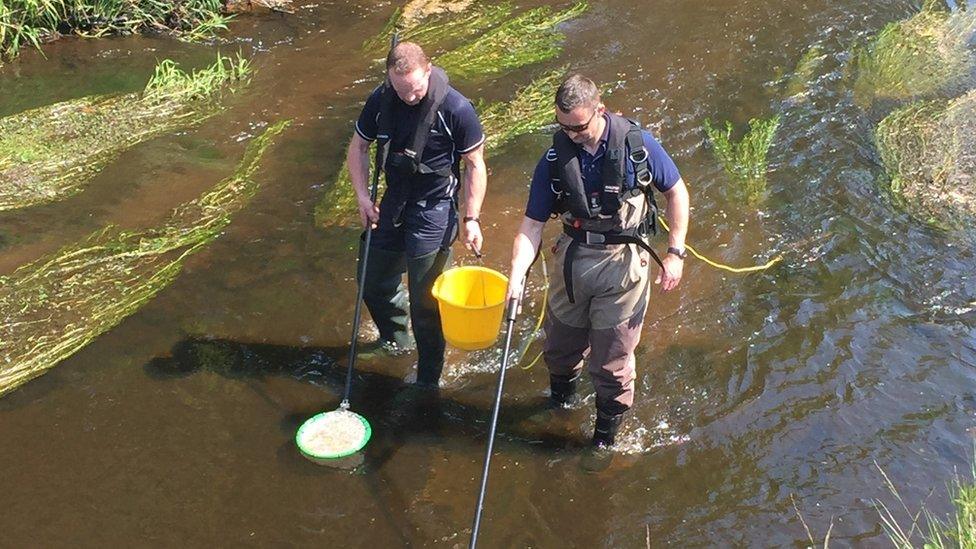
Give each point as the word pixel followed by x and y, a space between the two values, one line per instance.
pixel 510 314
pixel 361 274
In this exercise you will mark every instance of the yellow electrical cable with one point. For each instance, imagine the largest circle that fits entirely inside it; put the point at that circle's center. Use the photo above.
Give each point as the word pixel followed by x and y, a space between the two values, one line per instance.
pixel 694 252
pixel 534 360
pixel 722 266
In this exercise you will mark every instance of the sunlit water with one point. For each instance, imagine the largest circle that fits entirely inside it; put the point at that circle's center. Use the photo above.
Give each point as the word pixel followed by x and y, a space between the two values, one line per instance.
pixel 856 351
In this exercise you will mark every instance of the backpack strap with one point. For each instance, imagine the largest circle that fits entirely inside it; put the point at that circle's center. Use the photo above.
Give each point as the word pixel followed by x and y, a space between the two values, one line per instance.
pixel 436 93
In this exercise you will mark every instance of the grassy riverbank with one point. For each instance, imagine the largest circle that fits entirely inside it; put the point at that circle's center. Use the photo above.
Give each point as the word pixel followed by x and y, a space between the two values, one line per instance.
pixel 33 22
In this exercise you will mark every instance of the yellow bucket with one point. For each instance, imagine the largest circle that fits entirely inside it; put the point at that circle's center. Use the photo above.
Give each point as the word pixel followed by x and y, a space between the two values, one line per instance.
pixel 472 302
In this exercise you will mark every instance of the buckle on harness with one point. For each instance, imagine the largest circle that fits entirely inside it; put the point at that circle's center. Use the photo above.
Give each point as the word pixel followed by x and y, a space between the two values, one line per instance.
pixel 595 238
pixel 638 156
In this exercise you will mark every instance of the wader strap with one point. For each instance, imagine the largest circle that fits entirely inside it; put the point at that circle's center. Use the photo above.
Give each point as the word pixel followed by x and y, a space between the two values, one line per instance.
pixel 568 268
pixel 589 237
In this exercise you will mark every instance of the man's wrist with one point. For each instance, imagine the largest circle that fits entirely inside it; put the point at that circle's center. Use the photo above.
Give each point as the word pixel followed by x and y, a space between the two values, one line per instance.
pixel 474 218
pixel 679 251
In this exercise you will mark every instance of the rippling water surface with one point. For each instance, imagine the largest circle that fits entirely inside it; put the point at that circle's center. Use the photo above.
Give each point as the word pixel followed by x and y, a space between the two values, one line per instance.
pixel 795 384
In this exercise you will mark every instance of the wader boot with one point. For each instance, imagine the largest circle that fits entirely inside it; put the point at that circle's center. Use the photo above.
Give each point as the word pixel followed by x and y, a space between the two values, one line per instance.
pixel 426 318
pixel 561 390
pixel 600 455
pixel 385 295
pixel 605 430
pixel 557 418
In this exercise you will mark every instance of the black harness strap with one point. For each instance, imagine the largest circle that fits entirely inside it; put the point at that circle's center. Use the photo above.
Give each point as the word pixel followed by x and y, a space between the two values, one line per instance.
pixel 579 236
pixel 642 176
pixel 638 157
pixel 626 145
pixel 564 169
pixel 437 91
pixel 568 268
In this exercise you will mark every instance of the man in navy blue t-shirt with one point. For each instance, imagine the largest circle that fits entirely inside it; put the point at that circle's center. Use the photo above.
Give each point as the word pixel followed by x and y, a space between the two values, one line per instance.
pixel 430 128
pixel 598 179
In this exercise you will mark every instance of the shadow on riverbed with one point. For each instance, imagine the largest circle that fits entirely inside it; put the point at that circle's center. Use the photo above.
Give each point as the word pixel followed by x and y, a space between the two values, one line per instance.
pixel 398 411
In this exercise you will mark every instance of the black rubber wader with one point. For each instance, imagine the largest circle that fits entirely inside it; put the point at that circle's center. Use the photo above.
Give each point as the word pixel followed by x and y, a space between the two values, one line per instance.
pixel 386 297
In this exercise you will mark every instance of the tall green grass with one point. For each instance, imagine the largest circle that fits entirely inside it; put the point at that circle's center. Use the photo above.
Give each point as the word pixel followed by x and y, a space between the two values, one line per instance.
pixel 923 529
pixel 444 28
pixel 32 22
pixel 746 161
pixel 928 149
pixel 806 69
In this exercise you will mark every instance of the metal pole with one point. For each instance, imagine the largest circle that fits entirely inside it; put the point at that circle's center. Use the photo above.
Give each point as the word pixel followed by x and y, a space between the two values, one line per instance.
pixel 361 274
pixel 509 329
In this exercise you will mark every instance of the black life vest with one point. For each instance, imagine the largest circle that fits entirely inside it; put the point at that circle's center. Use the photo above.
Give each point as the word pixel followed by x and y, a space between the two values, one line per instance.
pixel 408 161
pixel 595 219
pixel 626 143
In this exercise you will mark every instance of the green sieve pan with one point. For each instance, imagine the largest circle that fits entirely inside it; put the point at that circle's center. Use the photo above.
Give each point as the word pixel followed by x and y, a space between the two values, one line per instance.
pixel 334 438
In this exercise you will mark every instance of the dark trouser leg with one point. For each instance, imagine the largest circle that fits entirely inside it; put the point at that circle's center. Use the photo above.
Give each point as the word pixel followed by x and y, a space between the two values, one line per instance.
pixel 564 351
pixel 385 294
pixel 612 367
pixel 426 318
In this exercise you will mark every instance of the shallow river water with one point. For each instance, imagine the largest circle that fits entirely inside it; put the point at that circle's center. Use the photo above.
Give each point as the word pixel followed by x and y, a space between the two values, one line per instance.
pixel 856 352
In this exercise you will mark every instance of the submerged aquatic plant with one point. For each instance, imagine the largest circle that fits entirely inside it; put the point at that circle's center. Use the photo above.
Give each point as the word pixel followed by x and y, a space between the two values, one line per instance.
pixel 443 25
pixel 338 206
pixel 745 161
pixel 928 150
pixel 416 11
pixel 530 110
pixel 32 22
pixel 49 153
pixel 529 38
pixel 918 57
pixel 805 70
pixel 51 308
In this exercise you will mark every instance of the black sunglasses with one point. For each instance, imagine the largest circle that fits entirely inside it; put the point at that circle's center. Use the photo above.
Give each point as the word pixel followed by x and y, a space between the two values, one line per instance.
pixel 579 127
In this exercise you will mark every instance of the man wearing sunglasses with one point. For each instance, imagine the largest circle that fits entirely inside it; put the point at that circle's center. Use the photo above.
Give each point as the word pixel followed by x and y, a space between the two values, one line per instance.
pixel 598 180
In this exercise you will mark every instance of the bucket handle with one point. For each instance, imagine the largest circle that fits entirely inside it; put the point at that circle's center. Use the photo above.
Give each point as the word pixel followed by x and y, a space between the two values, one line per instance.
pixel 481 275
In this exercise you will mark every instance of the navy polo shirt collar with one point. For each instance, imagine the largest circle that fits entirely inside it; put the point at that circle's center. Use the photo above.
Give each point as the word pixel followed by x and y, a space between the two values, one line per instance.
pixel 602 148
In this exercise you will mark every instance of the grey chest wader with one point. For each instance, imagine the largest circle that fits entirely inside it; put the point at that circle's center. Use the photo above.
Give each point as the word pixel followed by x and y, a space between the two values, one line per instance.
pixel 595 218
pixel 402 165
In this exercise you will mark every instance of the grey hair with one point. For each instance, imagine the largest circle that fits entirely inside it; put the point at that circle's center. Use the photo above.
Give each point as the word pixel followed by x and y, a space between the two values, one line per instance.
pixel 577 91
